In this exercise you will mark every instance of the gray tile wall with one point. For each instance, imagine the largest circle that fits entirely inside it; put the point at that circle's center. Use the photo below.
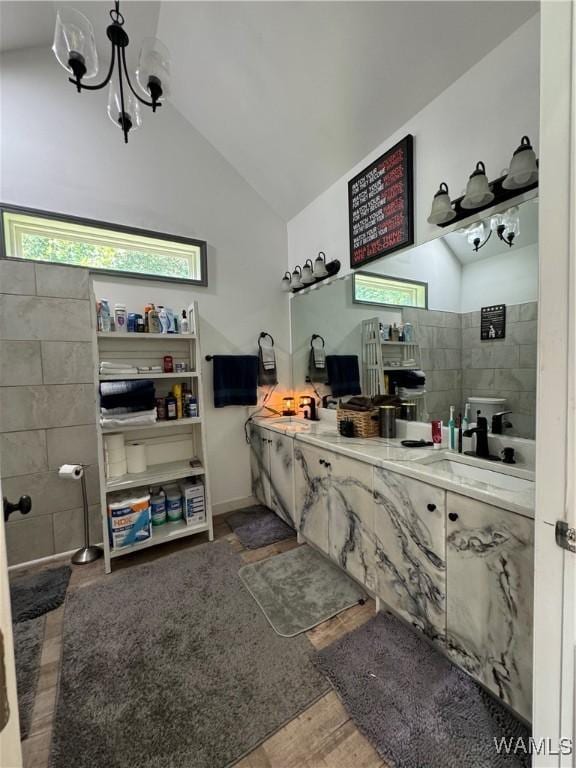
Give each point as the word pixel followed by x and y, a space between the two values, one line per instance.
pixel 505 368
pixel 47 408
pixel 458 365
pixel 440 337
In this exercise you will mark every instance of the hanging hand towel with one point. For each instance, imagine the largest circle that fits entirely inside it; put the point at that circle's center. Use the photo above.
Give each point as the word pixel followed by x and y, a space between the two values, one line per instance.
pixel 343 374
pixel 317 371
pixel 267 373
pixel 235 380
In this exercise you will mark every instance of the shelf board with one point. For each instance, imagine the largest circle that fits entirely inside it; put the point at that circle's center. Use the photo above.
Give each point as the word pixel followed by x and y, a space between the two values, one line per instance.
pixel 135 376
pixel 162 534
pixel 148 336
pixel 158 425
pixel 155 475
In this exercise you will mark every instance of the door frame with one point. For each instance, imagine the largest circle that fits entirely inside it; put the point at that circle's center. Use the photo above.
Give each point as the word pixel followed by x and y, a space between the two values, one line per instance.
pixel 555 569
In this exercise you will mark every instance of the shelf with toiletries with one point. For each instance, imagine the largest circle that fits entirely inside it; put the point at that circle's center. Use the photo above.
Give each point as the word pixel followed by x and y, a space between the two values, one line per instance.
pixel 151 431
pixel 135 376
pixel 134 336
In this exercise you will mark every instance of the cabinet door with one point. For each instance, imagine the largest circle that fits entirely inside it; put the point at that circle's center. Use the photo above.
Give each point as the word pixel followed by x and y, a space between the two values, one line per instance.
pixel 351 517
pixel 282 476
pixel 311 486
pixel 410 550
pixel 260 464
pixel 490 554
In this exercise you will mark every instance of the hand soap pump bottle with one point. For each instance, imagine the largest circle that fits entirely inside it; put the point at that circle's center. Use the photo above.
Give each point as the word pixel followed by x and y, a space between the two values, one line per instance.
pixel 452 430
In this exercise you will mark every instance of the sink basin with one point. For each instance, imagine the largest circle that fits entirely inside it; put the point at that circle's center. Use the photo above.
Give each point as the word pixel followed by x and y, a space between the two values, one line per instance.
pixel 494 475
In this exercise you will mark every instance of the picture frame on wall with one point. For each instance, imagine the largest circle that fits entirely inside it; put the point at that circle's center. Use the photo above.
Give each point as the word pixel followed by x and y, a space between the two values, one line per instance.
pixel 381 205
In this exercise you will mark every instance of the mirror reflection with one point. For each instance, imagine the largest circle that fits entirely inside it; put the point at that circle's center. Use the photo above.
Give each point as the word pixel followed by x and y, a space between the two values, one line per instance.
pixel 411 325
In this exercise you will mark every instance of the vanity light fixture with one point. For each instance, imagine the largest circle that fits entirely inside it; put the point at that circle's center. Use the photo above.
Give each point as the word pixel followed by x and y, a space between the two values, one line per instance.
pixel 523 169
pixel 442 211
pixel 478 192
pixel 75 48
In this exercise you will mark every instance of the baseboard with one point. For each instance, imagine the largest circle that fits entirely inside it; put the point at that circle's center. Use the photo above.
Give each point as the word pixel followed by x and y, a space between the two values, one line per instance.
pixel 230 506
pixel 46 560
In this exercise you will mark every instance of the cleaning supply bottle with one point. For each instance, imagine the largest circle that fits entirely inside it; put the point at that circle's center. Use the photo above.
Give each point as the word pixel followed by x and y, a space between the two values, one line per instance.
pixel 452 430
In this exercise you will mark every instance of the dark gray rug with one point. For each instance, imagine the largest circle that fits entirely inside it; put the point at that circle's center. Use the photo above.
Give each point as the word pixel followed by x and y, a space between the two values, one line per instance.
pixel 258 526
pixel 172 665
pixel 299 589
pixel 34 595
pixel 413 705
pixel 28 641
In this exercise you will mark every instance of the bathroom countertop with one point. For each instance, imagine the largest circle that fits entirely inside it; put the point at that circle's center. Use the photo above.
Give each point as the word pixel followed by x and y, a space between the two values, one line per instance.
pixel 391 455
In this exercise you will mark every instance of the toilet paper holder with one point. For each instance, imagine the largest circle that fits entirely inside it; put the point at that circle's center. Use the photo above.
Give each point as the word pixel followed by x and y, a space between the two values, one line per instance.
pixel 88 553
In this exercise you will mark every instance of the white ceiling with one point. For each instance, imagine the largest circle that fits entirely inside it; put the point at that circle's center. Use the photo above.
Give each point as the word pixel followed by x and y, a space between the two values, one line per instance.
pixel 293 94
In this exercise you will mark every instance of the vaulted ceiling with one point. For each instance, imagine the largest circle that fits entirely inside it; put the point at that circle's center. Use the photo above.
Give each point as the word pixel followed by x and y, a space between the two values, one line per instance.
pixel 293 94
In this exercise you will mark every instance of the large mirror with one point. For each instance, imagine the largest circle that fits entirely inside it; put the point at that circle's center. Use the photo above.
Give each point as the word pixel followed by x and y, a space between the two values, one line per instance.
pixel 414 321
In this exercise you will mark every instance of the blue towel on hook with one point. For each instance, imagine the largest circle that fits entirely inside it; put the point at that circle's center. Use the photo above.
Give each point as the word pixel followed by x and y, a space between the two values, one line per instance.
pixel 343 375
pixel 235 380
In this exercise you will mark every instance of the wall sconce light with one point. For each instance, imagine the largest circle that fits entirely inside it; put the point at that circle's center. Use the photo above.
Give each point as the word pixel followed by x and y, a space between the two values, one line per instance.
pixel 289 406
pixel 308 273
pixel 506 225
pixel 523 169
pixel 522 176
pixel 442 211
pixel 478 192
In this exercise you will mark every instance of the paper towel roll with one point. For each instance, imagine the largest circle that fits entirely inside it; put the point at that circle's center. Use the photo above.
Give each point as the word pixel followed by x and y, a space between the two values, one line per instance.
pixel 136 458
pixel 71 471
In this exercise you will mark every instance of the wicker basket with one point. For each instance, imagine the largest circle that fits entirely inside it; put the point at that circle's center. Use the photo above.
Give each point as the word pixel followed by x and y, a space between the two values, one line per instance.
pixel 365 422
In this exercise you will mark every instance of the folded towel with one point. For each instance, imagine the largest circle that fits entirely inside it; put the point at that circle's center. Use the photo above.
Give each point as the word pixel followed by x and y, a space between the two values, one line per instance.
pixel 267 373
pixel 317 374
pixel 122 410
pixel 343 374
pixel 319 357
pixel 235 380
pixel 130 420
pixel 108 388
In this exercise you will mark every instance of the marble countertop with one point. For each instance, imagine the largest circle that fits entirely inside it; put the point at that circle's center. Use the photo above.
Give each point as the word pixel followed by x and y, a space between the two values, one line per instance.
pixel 391 455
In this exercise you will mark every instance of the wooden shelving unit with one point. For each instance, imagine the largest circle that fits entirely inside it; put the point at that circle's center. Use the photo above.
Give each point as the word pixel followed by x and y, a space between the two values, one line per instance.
pixel 171 446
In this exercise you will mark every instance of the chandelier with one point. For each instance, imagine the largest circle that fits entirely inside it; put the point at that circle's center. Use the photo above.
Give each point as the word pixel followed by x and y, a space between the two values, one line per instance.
pixel 75 48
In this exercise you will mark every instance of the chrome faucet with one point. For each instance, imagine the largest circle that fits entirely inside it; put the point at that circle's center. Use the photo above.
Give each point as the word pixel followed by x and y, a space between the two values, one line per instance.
pixel 499 423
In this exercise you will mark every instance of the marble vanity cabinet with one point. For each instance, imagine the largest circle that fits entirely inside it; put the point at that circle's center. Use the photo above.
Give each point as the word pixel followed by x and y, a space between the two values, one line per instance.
pixel 334 495
pixel 272 470
pixel 490 566
pixel 410 540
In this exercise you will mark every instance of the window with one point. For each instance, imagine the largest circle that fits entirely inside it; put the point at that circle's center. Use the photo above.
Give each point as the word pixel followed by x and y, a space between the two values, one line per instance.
pixel 369 288
pixel 40 236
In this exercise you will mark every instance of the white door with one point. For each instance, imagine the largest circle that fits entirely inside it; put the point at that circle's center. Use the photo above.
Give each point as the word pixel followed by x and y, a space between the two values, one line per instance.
pixel 554 730
pixel 10 752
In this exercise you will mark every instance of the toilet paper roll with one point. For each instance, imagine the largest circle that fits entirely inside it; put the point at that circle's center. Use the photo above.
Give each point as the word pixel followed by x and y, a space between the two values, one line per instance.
pixel 136 458
pixel 116 468
pixel 115 455
pixel 71 471
pixel 114 442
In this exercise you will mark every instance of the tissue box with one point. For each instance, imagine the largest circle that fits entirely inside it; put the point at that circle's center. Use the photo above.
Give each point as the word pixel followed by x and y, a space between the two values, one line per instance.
pixel 193 503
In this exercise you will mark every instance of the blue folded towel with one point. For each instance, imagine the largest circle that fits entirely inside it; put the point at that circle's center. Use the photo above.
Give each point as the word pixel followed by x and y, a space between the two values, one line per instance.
pixel 343 375
pixel 235 380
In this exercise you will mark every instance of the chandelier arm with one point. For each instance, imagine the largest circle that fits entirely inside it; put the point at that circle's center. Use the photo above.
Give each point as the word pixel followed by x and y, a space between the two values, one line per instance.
pixel 122 107
pixel 141 100
pixel 104 83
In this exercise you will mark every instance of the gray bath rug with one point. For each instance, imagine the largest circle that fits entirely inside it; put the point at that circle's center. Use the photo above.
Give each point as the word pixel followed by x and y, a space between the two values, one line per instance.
pixel 172 665
pixel 36 594
pixel 28 641
pixel 299 589
pixel 258 526
pixel 413 705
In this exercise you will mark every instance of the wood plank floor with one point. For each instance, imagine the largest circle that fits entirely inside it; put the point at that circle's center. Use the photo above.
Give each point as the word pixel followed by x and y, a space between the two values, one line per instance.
pixel 323 736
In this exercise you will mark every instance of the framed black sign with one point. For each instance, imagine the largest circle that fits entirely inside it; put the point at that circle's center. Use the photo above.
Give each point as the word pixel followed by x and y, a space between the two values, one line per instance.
pixel 493 322
pixel 381 205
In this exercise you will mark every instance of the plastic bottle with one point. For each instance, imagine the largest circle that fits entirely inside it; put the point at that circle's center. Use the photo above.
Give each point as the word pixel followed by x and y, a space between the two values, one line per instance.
pixel 173 504
pixel 177 394
pixel 120 318
pixel 154 325
pixel 184 323
pixel 466 419
pixel 104 324
pixel 164 321
pixel 158 507
pixel 171 412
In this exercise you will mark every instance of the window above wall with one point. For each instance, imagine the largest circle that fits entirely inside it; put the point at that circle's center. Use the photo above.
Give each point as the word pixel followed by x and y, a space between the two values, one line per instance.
pixel 57 239
pixel 381 290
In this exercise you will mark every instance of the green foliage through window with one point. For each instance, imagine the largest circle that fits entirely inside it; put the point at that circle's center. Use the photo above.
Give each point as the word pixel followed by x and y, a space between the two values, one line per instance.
pixel 369 288
pixel 66 242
